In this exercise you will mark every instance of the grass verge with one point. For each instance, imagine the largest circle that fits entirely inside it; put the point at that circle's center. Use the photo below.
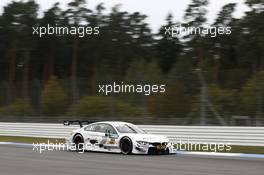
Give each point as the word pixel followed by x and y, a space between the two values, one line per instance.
pixel 29 139
pixel 234 148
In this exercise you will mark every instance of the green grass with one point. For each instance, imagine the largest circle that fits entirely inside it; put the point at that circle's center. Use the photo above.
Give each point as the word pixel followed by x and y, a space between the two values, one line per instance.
pixel 29 139
pixel 235 149
pixel 248 149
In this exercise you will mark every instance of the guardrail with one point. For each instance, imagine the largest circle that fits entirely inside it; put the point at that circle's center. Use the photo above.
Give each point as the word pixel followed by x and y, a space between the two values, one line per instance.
pixel 249 136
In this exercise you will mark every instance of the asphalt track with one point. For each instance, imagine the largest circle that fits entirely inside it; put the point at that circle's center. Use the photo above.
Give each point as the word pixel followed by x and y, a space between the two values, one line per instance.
pixel 25 161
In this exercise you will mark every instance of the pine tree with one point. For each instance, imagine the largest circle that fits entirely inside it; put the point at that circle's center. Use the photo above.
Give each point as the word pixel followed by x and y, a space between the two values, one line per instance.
pixel 75 15
pixel 195 16
pixel 168 48
pixel 54 98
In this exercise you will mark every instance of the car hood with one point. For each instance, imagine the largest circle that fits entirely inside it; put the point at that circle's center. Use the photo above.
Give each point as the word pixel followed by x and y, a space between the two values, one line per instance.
pixel 148 137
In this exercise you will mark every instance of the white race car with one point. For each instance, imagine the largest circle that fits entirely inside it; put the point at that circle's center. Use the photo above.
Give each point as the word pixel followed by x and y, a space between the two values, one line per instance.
pixel 116 137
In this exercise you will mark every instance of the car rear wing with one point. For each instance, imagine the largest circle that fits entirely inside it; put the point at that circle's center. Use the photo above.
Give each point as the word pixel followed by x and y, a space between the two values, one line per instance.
pixel 77 122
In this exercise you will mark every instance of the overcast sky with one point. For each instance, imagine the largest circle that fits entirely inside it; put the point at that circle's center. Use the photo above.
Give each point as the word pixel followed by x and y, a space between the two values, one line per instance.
pixel 157 10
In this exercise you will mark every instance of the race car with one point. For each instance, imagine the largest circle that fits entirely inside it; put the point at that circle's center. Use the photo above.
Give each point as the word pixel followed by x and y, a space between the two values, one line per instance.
pixel 116 137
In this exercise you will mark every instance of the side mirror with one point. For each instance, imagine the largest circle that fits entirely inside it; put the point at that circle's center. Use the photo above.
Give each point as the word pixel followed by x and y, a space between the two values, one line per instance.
pixel 107 133
pixel 66 123
pixel 110 135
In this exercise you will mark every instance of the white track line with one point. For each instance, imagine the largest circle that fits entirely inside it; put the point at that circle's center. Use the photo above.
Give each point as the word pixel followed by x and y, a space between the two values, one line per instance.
pixel 213 154
pixel 209 154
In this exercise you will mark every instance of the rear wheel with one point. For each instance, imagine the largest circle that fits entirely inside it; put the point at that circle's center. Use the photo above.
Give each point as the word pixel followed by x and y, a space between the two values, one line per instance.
pixel 126 145
pixel 79 142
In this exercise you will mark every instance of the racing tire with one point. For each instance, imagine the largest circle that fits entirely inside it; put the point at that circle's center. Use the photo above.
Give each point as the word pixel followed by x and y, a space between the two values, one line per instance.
pixel 126 145
pixel 79 142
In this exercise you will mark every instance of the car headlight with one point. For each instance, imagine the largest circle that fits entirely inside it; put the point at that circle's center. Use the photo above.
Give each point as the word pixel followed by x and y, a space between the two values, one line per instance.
pixel 142 143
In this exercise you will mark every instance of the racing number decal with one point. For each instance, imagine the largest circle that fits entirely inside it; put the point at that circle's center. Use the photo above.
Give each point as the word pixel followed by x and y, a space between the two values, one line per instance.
pixel 161 146
pixel 111 141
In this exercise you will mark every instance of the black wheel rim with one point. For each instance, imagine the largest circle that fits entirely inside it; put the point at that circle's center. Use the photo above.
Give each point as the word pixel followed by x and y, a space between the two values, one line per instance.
pixel 126 146
pixel 79 143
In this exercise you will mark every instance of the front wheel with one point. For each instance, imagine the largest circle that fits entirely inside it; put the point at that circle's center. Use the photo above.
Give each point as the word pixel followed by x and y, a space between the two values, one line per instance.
pixel 126 145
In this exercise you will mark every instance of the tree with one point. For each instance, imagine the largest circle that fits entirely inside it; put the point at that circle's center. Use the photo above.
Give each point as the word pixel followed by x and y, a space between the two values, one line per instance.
pixel 126 50
pixel 224 100
pixel 168 48
pixel 125 37
pixel 99 106
pixel 195 13
pixel 251 41
pixel 20 107
pixel 18 19
pixel 54 98
pixel 183 71
pixel 252 97
pixel 75 15
pixel 224 45
pixel 175 103
pixel 144 73
pixel 49 44
pixel 195 17
pixel 256 5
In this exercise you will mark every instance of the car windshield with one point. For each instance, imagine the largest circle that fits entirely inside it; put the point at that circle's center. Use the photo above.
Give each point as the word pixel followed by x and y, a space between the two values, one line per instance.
pixel 129 128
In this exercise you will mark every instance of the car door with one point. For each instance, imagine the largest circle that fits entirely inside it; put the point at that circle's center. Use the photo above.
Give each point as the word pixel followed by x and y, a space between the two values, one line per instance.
pixel 110 138
pixel 93 135
pixel 100 136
